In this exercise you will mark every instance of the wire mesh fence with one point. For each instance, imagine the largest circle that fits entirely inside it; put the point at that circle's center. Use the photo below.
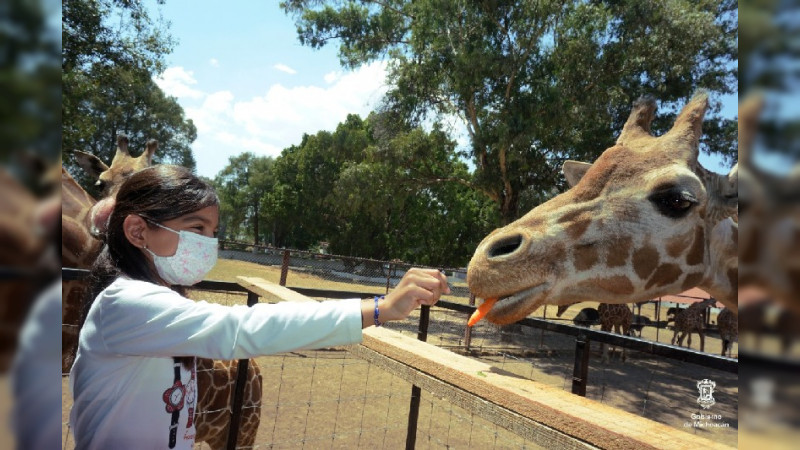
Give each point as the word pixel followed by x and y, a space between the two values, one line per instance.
pixel 331 399
pixel 318 387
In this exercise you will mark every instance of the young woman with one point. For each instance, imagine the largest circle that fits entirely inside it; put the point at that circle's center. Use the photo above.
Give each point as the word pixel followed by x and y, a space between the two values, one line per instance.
pixel 141 333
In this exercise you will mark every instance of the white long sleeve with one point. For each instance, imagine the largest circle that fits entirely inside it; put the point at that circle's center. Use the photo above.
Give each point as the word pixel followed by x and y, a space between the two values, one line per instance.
pixel 133 330
pixel 139 318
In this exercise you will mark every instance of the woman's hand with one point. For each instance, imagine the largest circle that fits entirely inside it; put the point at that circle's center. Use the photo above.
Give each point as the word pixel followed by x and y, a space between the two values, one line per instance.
pixel 418 287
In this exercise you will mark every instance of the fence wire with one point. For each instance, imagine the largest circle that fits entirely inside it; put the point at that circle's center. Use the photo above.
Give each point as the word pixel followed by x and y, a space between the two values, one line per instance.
pixel 330 399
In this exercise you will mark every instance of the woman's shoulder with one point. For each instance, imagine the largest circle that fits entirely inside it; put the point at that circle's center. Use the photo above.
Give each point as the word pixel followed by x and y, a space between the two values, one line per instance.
pixel 124 288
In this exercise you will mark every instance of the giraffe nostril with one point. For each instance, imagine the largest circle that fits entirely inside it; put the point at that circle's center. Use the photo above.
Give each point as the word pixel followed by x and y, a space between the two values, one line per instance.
pixel 505 246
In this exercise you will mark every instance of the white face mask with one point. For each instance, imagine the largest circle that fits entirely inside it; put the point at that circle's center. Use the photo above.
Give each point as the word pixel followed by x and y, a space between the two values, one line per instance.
pixel 193 259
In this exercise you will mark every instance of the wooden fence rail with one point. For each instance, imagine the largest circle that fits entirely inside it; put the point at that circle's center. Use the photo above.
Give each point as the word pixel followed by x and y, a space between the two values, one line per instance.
pixel 542 414
pixel 533 411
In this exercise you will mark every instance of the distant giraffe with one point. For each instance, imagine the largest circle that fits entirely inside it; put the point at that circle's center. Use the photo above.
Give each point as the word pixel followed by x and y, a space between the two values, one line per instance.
pixel 728 325
pixel 787 326
pixel 644 220
pixel 692 320
pixel 215 379
pixel 614 317
pixel 617 317
pixel 586 317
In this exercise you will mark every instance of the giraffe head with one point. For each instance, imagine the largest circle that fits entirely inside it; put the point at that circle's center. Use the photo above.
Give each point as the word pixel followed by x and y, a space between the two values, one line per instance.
pixel 122 165
pixel 644 220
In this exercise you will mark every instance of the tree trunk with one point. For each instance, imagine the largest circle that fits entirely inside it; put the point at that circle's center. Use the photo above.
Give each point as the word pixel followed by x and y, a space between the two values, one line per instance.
pixel 509 205
pixel 255 224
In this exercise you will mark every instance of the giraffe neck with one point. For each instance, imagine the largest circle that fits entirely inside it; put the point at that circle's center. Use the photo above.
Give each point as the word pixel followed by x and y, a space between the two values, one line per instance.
pixel 722 271
pixel 78 247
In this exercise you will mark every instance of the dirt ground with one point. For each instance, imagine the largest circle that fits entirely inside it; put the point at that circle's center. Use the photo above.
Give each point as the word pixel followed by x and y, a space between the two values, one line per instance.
pixel 328 399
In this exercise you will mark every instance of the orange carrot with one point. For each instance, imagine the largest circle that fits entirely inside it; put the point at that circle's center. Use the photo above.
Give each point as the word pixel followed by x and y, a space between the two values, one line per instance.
pixel 481 311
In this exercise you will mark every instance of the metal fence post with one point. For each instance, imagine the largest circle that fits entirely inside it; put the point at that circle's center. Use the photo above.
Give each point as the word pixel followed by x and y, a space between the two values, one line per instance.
pixel 580 372
pixel 416 391
pixel 238 393
pixel 284 267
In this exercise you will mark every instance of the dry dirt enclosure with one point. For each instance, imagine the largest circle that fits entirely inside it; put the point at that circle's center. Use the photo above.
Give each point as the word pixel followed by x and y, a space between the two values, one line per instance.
pixel 330 399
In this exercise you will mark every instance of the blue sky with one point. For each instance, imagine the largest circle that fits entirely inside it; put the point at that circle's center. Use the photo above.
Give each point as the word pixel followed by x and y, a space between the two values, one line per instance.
pixel 239 71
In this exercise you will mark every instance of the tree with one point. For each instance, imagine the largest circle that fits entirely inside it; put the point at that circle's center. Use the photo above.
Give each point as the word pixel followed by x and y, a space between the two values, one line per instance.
pixel 242 185
pixel 379 189
pixel 111 51
pixel 535 82
pixel 305 175
pixel 769 56
pixel 401 194
pixel 29 81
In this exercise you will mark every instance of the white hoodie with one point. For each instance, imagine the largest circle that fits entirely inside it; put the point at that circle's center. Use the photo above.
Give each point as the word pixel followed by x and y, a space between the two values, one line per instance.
pixel 124 371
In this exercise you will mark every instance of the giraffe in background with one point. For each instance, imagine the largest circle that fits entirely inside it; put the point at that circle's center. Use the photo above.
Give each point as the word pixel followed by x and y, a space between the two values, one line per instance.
pixel 215 379
pixel 728 325
pixel 617 317
pixel 692 320
pixel 645 220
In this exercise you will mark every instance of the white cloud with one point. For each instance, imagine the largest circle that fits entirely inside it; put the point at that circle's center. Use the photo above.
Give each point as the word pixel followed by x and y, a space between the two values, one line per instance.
pixel 214 62
pixel 283 114
pixel 177 82
pixel 285 68
pixel 330 77
pixel 267 124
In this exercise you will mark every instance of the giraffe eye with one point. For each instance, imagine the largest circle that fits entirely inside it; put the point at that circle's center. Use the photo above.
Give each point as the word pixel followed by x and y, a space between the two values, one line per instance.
pixel 673 203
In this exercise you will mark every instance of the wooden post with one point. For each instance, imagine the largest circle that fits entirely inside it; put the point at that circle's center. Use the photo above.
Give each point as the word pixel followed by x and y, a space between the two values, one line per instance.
pixel 468 329
pixel 580 372
pixel 541 334
pixel 416 391
pixel 238 392
pixel 284 267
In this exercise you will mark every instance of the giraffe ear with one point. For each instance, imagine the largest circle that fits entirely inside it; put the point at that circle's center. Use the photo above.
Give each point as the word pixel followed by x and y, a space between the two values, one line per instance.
pixel 90 164
pixel 725 188
pixel 574 171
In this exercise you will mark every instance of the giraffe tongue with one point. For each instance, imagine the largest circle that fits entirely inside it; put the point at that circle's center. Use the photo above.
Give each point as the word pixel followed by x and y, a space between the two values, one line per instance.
pixel 481 311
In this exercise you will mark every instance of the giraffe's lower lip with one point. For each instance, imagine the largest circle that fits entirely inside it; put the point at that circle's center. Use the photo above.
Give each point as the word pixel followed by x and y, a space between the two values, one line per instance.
pixel 514 300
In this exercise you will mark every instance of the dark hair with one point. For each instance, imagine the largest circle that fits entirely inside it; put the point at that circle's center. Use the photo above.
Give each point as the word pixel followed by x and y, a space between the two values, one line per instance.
pixel 157 194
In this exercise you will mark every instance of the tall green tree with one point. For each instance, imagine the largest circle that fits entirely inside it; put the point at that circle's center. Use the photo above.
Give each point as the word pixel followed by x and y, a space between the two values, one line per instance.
pixel 398 201
pixel 111 50
pixel 242 186
pixel 537 81
pixel 305 176
pixel 379 189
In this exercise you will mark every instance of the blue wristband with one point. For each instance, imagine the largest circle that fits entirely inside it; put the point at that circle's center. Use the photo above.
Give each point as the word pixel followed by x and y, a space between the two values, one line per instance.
pixel 377 311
